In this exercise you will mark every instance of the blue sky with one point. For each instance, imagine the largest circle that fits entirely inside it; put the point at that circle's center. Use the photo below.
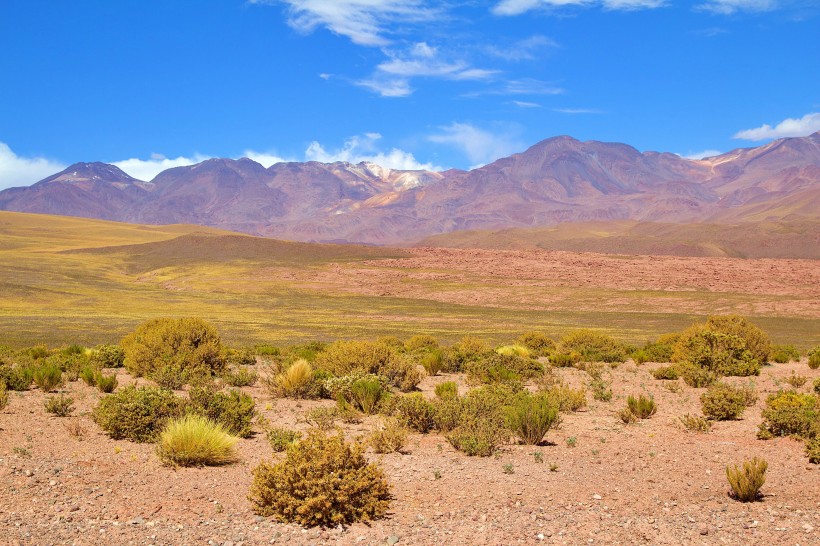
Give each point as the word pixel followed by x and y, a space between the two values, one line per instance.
pixel 406 83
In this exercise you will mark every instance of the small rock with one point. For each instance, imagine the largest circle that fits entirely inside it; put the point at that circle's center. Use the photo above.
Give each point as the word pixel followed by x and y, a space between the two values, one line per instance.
pixel 137 521
pixel 392 539
pixel 704 531
pixel 540 536
pixel 74 508
pixel 597 497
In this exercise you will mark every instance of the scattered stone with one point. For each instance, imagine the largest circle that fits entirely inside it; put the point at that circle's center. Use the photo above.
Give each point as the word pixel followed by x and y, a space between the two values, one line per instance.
pixel 139 520
pixel 392 539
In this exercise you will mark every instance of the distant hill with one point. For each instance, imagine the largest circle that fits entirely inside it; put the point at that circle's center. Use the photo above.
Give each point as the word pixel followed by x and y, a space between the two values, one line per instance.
pixel 559 180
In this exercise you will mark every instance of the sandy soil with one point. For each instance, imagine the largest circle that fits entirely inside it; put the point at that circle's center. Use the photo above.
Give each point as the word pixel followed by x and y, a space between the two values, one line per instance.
pixel 649 483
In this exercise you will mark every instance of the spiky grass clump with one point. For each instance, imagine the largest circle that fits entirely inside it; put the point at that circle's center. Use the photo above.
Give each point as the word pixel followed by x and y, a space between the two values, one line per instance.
pixel 530 417
pixel 514 350
pixel 448 389
pixel 194 440
pixel 47 377
pixel 365 395
pixel 322 481
pixel 433 362
pixel 642 407
pixel 297 381
pixel 106 383
pixel 814 358
pixel 747 480
pixel 61 405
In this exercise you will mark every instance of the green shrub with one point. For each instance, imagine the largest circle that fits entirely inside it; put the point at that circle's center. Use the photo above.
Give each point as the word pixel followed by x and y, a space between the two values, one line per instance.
pixel 365 395
pixel 415 411
pixel 296 381
pixel 509 369
pixel 724 345
pixel 239 376
pixel 565 360
pixel 567 398
pixel 433 362
pixel 344 357
pixel 796 381
pixel 480 427
pixel 695 376
pixel 322 481
pixel 531 416
pixel 89 376
pixel 658 351
pixel 17 377
pixel 447 413
pixel 467 350
pixel 514 350
pixel 627 416
pixel 695 423
pixel 817 386
pixel 746 481
pixel 281 438
pixel 233 409
pixel 105 383
pixel 137 414
pixel 447 389
pixel 61 405
pixel 593 346
pixel 170 376
pixel 193 440
pixel 666 372
pixel 642 407
pixel 4 396
pixel 539 344
pixel 813 450
pixel 782 354
pixel 814 358
pixel 421 342
pixel 185 344
pixel 47 376
pixel 390 437
pixel 403 373
pixel 238 357
pixel 723 402
pixel 790 413
pixel 322 418
pixel 107 356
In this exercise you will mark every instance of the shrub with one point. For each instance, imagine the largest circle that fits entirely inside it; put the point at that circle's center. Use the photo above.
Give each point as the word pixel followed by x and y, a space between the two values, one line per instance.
pixel 106 383
pixel 365 395
pixel 447 389
pixel 467 350
pixel 796 381
pixel 642 407
pixel 4 396
pixel 322 481
pixel 514 350
pixel 502 368
pixel 47 376
pixel 814 358
pixel 627 416
pixel 666 372
pixel 658 351
pixel 233 409
pixel 480 427
pixel 389 438
pixel 539 344
pixel 180 344
pixel 16 378
pixel 813 450
pixel 136 414
pixel 415 411
pixel 61 405
pixel 194 440
pixel 593 346
pixel 695 423
pixel 107 356
pixel 281 438
pixel 817 385
pixel 297 381
pixel 746 481
pixel 724 345
pixel 238 357
pixel 447 413
pixel 695 376
pixel 723 402
pixel 170 376
pixel 790 413
pixel 341 386
pixel 565 360
pixel 343 357
pixel 421 342
pixel 433 362
pixel 403 373
pixel 239 376
pixel 531 416
pixel 89 376
pixel 782 354
pixel 567 398
pixel 600 387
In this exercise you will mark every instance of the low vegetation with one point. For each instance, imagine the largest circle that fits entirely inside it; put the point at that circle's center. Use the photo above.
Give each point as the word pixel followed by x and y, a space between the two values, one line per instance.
pixel 723 402
pixel 642 407
pixel 194 440
pixel 60 405
pixel 137 413
pixel 746 480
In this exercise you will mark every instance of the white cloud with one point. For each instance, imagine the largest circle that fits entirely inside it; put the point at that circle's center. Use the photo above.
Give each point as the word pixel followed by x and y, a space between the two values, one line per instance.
pixel 727 7
pixel 263 158
pixel 577 110
pixel 517 7
pixel 387 87
pixel 522 50
pixel 703 154
pixel 23 171
pixel 789 127
pixel 365 22
pixel 147 169
pixel 363 148
pixel 525 104
pixel 479 145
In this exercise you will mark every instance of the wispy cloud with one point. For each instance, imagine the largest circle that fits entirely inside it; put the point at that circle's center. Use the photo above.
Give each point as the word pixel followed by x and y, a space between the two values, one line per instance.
pixel 701 155
pixel 147 169
pixel 517 7
pixel 264 158
pixel 365 22
pixel 17 170
pixel 525 104
pixel 575 111
pixel 522 50
pixel 728 7
pixel 365 148
pixel 789 127
pixel 481 146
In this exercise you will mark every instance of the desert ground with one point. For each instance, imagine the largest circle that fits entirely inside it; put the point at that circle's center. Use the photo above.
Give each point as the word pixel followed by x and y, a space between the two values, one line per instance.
pixel 594 480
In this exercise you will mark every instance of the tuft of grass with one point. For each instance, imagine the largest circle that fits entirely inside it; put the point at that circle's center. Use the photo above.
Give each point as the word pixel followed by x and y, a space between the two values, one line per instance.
pixel 626 415
pixel 747 480
pixel 76 429
pixel 106 383
pixel 281 438
pixel 61 405
pixel 530 417
pixel 448 389
pixel 47 377
pixel 297 381
pixel 642 407
pixel 240 376
pixel 194 440
pixel 365 395
pixel 389 438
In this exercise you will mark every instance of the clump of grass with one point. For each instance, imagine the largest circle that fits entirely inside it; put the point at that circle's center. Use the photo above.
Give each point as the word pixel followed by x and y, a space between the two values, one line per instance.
pixel 539 344
pixel 365 395
pixel 747 480
pixel 723 402
pixel 600 387
pixel 106 383
pixel 695 423
pixel 297 381
pixel 530 417
pixel 796 381
pixel 240 376
pixel 696 376
pixel 89 376
pixel 194 440
pixel 514 350
pixel 75 428
pixel 322 481
pixel 642 407
pixel 389 438
pixel 47 377
pixel 280 438
pixel 814 358
pixel 567 398
pixel 61 405
pixel 817 386
pixel 448 389
pixel 433 362
pixel 626 415
pixel 666 372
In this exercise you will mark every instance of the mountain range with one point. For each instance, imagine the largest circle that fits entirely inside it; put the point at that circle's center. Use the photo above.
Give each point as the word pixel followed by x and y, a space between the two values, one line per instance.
pixel 556 181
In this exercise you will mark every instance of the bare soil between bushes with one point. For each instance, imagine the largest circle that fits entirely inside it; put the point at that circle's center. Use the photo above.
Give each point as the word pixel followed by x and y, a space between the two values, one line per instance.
pixel 595 480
